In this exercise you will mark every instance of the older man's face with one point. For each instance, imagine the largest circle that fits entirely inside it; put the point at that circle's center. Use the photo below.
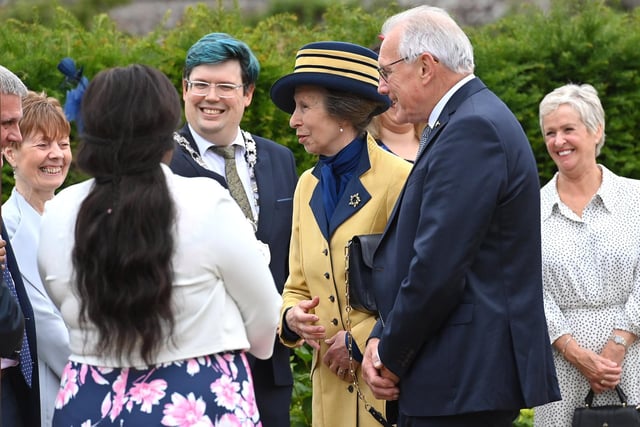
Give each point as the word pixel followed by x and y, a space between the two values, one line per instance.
pixel 402 81
pixel 10 115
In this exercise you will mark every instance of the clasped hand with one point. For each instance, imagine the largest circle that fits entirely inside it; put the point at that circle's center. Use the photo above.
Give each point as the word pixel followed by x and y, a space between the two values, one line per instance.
pixel 603 371
pixel 382 382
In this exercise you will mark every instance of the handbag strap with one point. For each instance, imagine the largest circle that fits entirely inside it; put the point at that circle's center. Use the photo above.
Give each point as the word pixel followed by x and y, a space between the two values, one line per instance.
pixel 352 370
pixel 588 400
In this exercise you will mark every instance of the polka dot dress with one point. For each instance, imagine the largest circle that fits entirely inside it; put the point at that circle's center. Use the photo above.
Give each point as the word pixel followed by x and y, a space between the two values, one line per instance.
pixel 591 282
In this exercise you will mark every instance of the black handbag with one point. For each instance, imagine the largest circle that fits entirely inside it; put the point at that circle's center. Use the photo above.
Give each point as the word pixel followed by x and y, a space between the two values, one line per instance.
pixel 359 262
pixel 623 415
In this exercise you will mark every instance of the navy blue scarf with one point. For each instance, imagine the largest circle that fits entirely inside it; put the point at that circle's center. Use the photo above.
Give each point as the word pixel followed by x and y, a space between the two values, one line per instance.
pixel 336 171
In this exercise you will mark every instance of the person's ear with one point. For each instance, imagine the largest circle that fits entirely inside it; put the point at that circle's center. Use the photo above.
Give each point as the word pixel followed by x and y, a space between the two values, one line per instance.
pixel 248 93
pixel 9 153
pixel 428 64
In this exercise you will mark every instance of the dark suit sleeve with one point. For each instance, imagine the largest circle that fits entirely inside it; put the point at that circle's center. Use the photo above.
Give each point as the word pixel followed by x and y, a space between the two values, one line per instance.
pixel 11 323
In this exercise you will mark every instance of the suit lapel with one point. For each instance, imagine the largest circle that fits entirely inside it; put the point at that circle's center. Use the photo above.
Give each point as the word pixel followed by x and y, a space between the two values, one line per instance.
pixel 25 304
pixel 354 198
pixel 469 88
pixel 186 132
pixel 182 162
pixel 265 181
pixel 317 206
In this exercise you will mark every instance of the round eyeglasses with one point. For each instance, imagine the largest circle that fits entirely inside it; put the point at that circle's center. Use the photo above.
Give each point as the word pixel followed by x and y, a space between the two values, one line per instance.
pixel 222 90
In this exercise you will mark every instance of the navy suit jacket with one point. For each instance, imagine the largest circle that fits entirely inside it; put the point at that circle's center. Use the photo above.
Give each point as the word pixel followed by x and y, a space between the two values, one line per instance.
pixel 458 271
pixel 31 402
pixel 11 323
pixel 276 178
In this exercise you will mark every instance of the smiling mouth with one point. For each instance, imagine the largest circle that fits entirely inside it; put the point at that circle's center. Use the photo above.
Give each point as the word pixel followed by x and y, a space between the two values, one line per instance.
pixel 564 153
pixel 212 111
pixel 52 170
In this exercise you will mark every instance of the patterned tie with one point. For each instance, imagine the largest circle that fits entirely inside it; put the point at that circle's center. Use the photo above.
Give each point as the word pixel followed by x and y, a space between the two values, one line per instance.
pixel 423 139
pixel 26 364
pixel 233 179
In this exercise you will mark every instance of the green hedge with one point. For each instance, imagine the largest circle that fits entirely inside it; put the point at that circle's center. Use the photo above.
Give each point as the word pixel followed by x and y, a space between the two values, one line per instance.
pixel 33 50
pixel 525 56
pixel 521 57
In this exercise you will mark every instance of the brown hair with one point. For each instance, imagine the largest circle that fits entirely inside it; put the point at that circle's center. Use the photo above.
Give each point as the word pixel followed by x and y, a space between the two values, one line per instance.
pixel 124 236
pixel 42 113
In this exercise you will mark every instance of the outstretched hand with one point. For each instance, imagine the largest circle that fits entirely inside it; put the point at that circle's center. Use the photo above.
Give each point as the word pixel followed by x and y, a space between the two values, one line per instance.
pixel 302 322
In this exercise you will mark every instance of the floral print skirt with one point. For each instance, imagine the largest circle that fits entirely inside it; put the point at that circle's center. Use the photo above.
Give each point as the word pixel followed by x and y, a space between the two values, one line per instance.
pixel 214 390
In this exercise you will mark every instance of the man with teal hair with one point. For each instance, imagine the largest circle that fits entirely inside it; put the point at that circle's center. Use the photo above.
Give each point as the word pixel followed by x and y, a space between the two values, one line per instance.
pixel 219 81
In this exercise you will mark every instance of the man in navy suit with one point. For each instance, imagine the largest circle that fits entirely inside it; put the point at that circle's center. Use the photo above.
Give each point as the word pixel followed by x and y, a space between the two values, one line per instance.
pixel 20 391
pixel 11 318
pixel 218 84
pixel 462 338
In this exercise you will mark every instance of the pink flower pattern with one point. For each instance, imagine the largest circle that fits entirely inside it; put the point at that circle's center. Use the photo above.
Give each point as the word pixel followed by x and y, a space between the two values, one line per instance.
pixel 185 412
pixel 148 394
pixel 226 391
pixel 119 394
pixel 68 386
pixel 231 401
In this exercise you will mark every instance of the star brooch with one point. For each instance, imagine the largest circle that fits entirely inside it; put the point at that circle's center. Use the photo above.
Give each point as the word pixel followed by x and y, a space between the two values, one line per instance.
pixel 354 200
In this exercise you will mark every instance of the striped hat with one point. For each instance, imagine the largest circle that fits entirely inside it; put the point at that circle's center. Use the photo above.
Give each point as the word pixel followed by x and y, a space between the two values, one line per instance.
pixel 340 66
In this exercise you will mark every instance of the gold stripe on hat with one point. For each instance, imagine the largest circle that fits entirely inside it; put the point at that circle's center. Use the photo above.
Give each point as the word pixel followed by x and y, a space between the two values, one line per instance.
pixel 339 63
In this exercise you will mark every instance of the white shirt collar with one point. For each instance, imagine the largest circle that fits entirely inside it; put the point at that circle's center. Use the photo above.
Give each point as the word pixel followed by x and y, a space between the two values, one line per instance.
pixel 433 118
pixel 204 144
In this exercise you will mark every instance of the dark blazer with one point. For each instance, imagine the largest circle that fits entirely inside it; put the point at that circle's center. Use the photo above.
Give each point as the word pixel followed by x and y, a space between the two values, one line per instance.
pixel 458 271
pixel 11 323
pixel 276 178
pixel 27 398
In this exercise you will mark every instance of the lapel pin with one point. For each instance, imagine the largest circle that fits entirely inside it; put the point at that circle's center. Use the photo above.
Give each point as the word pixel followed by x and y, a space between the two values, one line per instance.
pixel 354 200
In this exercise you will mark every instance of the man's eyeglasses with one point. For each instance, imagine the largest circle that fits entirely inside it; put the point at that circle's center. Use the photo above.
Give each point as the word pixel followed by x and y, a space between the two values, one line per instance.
pixel 385 71
pixel 222 90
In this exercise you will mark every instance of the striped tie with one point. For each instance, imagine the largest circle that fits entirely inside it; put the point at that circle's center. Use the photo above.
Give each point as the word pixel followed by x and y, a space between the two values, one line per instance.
pixel 26 364
pixel 233 179
pixel 423 138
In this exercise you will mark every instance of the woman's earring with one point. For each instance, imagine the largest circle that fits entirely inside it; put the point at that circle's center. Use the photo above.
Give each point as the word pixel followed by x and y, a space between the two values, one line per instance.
pixel 341 130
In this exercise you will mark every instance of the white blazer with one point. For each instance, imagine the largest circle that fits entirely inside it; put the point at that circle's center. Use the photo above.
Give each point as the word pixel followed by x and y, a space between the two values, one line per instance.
pixel 223 293
pixel 22 223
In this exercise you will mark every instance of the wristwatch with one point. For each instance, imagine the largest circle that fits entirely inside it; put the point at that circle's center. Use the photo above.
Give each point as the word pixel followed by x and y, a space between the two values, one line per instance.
pixel 619 340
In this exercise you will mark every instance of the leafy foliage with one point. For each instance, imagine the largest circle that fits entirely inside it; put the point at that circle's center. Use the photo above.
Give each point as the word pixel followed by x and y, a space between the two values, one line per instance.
pixel 44 11
pixel 301 401
pixel 528 54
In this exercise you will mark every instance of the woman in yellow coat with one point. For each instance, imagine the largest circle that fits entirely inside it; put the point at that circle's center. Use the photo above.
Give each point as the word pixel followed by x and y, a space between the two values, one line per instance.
pixel 332 96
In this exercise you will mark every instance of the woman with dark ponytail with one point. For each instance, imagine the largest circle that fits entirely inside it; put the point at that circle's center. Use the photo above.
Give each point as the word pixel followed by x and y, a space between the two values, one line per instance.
pixel 163 290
